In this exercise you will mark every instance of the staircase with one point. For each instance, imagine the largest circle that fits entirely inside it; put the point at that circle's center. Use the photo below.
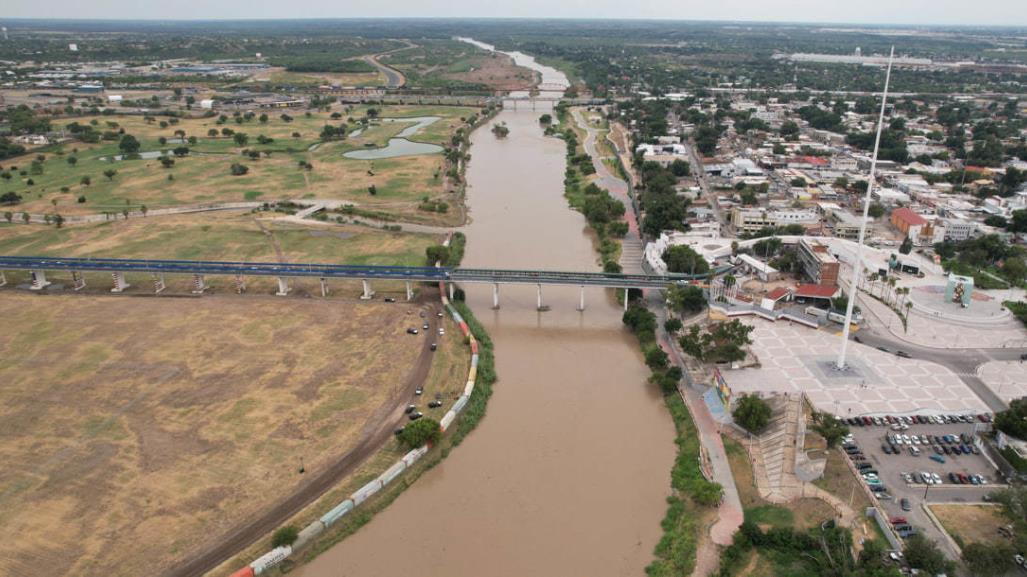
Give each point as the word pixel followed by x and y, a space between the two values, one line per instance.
pixel 631 255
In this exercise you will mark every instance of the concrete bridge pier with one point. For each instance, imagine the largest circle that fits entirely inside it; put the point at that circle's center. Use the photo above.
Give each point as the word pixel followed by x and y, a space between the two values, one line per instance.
pixel 199 286
pixel 368 293
pixel 283 286
pixel 240 284
pixel 3 279
pixel 78 279
pixel 410 292
pixel 452 291
pixel 39 281
pixel 119 282
pixel 495 296
pixel 158 283
pixel 581 299
pixel 539 293
pixel 626 300
pixel 324 287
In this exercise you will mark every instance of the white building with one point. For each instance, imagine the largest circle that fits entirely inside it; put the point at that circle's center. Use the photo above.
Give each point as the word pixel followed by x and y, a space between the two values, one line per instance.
pixel 207 104
pixel 753 219
pixel 958 229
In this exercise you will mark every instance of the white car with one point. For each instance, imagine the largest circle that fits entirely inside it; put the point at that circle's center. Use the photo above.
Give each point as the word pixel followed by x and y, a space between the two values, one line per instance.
pixel 442 331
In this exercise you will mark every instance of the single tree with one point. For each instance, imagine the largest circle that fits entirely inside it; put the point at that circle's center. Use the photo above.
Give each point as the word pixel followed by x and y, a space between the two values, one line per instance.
pixel 285 536
pixel 110 173
pixel 421 432
pixel 752 413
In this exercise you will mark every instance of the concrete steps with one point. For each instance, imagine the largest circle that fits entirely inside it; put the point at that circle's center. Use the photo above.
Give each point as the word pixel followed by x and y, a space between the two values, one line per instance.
pixel 631 255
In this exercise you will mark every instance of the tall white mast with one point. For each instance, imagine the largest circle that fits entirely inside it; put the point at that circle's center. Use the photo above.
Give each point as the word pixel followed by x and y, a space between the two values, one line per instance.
pixel 857 267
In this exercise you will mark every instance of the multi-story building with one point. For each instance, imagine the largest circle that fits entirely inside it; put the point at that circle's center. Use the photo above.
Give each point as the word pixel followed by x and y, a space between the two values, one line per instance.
pixel 818 264
pixel 958 229
pixel 753 219
pixel 914 226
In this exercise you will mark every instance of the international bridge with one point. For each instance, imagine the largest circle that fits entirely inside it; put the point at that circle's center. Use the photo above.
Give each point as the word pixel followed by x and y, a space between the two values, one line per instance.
pixel 157 269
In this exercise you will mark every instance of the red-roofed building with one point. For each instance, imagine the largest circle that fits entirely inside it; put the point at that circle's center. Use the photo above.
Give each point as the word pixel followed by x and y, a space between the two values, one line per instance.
pixel 779 293
pixel 913 226
pixel 820 293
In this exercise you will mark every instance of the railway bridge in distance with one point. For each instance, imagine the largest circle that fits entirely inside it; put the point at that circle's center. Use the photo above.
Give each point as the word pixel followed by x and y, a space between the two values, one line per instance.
pixel 38 267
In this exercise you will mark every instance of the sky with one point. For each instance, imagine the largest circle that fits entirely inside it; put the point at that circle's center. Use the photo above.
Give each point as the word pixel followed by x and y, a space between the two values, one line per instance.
pixel 941 12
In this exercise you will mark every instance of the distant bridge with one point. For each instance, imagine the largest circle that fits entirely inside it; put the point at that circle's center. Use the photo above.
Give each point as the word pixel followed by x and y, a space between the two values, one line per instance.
pixel 38 267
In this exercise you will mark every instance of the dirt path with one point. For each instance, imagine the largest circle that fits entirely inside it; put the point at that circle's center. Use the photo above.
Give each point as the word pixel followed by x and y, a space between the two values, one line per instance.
pixel 376 432
pixel 271 239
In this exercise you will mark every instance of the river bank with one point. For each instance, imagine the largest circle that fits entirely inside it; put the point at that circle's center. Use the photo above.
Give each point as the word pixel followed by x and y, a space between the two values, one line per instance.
pixel 545 485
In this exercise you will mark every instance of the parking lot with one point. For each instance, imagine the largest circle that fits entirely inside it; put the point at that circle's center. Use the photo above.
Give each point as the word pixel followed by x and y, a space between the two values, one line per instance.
pixel 891 468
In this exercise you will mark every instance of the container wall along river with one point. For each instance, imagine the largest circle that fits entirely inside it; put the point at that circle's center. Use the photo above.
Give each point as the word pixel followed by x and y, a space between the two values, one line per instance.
pixel 569 471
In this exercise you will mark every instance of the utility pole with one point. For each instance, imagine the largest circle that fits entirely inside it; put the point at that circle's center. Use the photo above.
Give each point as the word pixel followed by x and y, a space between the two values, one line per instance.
pixel 857 268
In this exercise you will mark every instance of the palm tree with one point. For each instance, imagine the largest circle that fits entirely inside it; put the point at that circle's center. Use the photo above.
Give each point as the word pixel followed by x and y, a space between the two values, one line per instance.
pixel 891 287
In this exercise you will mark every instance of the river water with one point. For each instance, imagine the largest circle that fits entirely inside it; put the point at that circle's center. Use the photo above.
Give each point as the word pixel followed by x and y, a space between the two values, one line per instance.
pixel 569 471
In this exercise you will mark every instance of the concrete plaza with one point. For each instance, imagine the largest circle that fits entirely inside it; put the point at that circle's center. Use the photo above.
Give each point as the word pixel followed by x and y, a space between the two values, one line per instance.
pixel 798 359
pixel 1007 379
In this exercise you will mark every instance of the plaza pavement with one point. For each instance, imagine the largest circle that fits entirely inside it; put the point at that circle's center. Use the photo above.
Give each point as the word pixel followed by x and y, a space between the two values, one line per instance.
pixel 797 359
pixel 1007 379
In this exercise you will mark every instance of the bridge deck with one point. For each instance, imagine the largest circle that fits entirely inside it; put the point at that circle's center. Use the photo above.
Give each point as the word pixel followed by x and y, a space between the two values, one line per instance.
pixel 430 274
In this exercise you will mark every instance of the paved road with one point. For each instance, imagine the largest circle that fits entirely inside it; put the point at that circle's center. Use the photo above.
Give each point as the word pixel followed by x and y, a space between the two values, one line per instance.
pixel 963 362
pixel 393 78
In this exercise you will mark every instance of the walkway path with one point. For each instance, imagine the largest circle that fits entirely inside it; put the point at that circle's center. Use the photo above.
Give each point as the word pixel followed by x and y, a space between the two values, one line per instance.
pixel 631 247
pixel 730 514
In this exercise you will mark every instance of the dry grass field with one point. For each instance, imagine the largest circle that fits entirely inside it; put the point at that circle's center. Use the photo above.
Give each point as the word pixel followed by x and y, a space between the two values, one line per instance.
pixel 222 236
pixel 135 428
pixel 970 523
pixel 204 175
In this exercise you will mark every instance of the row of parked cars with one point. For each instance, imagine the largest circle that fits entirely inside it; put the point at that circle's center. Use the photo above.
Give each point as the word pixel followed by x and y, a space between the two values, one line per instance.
pixel 893 421
pixel 867 472
pixel 902 527
pixel 955 445
pixel 964 479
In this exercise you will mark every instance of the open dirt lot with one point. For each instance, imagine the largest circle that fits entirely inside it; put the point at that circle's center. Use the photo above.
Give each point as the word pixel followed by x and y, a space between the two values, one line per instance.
pixel 135 429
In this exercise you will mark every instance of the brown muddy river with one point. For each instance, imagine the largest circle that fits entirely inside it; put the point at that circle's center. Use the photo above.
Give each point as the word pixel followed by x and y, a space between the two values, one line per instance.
pixel 569 471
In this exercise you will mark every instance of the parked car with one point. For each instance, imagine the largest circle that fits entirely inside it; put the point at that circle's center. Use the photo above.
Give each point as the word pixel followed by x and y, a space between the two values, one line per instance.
pixel 412 331
pixel 904 503
pixel 938 458
pixel 434 346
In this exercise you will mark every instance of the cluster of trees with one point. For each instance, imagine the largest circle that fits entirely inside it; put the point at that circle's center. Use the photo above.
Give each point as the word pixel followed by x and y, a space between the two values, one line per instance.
pixel 664 209
pixel 642 323
pixel 686 299
pixel 501 130
pixel 988 253
pixel 682 259
pixel 893 144
pixel 329 132
pixel 823 551
pixel 421 432
pixel 9 149
pixel 718 343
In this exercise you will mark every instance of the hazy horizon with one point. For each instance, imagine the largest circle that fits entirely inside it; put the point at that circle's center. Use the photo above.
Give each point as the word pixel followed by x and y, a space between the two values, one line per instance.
pixel 997 13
